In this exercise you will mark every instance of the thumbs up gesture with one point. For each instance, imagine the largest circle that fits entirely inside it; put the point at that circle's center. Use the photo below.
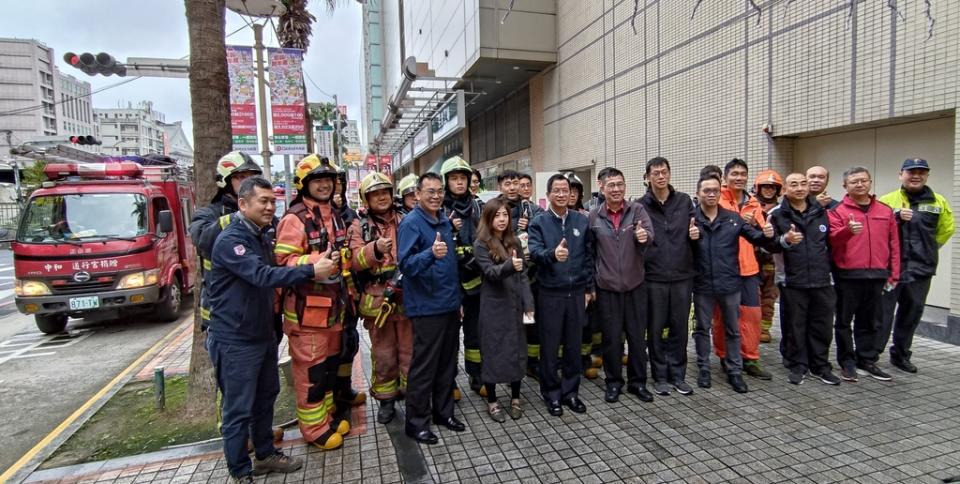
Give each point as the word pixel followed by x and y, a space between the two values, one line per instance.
pixel 824 199
pixel 384 245
pixel 768 230
pixel 457 223
pixel 517 262
pixel 854 226
pixel 906 214
pixel 325 267
pixel 561 251
pixel 694 230
pixel 641 234
pixel 792 236
pixel 439 247
pixel 748 217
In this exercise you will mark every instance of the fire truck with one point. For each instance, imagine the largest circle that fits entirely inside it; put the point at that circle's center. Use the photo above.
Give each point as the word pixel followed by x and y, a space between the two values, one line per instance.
pixel 104 240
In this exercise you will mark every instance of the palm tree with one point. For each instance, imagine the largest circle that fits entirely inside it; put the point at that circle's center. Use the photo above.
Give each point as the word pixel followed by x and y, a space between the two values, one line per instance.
pixel 210 108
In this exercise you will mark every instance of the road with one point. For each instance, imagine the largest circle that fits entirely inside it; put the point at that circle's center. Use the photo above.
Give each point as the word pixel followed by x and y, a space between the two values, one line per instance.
pixel 45 378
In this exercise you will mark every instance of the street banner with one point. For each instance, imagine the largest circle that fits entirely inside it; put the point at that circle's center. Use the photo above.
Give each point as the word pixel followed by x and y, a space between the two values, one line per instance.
pixel 243 111
pixel 325 142
pixel 371 162
pixel 287 101
pixel 386 164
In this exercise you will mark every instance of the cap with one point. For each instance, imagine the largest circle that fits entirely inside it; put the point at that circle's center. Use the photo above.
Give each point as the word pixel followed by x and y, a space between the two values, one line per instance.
pixel 912 163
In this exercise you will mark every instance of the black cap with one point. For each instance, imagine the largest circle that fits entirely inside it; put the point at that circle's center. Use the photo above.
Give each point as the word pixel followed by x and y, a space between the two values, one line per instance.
pixel 912 163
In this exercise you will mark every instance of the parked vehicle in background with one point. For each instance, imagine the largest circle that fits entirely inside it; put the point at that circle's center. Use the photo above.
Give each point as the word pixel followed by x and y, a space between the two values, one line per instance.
pixel 104 239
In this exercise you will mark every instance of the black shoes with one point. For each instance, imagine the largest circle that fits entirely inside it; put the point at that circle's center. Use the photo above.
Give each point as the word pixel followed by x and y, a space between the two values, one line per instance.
pixel 828 378
pixel 796 377
pixel 641 392
pixel 873 371
pixel 903 364
pixel 451 423
pixel 424 436
pixel 554 408
pixel 703 379
pixel 387 411
pixel 737 383
pixel 682 388
pixel 612 394
pixel 574 404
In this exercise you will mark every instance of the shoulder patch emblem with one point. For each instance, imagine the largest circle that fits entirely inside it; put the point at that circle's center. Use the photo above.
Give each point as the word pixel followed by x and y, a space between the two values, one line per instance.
pixel 576 232
pixel 823 228
pixel 239 249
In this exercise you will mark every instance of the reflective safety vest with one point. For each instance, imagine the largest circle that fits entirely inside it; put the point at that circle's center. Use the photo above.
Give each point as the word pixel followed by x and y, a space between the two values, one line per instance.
pixel 378 279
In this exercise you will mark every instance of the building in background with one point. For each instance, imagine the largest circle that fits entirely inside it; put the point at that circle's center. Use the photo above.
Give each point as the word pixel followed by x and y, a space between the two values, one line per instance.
pixel 351 142
pixel 176 144
pixel 374 79
pixel 29 91
pixel 135 130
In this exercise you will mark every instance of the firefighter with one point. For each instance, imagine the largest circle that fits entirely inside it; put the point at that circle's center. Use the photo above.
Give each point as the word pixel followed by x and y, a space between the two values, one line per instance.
pixel 209 221
pixel 345 396
pixel 590 345
pixel 767 189
pixel 407 193
pixel 463 210
pixel 373 243
pixel 313 313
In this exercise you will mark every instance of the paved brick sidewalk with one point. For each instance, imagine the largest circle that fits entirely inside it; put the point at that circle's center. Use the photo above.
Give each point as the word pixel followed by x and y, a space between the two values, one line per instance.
pixel 907 430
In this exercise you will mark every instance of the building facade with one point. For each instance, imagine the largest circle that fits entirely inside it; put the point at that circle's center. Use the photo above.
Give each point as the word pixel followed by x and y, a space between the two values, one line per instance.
pixel 176 144
pixel 75 110
pixel 135 130
pixel 29 91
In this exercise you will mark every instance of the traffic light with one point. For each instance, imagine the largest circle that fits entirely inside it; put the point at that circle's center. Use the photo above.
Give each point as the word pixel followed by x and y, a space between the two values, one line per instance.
pixel 92 65
pixel 84 140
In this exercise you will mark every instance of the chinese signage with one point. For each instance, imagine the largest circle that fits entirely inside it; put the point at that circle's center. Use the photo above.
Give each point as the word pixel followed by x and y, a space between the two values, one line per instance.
pixel 325 142
pixel 421 141
pixel 371 162
pixel 386 164
pixel 448 119
pixel 287 101
pixel 243 113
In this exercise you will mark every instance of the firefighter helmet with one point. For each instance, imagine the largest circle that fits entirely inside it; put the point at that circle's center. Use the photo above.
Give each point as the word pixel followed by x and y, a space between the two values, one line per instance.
pixel 311 167
pixel 454 164
pixel 768 177
pixel 373 182
pixel 408 184
pixel 235 162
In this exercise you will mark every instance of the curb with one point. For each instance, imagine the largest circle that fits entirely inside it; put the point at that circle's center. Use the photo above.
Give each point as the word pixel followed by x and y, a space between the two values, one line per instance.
pixel 24 467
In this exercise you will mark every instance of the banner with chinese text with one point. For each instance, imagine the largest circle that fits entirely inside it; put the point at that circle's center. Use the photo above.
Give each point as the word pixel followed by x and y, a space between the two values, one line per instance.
pixel 287 101
pixel 243 111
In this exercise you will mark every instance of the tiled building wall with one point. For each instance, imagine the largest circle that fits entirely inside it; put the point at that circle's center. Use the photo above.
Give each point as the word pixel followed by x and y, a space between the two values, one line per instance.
pixel 700 90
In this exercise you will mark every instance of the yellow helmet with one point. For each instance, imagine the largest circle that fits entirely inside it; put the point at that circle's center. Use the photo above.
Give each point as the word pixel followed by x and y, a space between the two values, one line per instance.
pixel 373 182
pixel 233 162
pixel 455 163
pixel 313 166
pixel 407 184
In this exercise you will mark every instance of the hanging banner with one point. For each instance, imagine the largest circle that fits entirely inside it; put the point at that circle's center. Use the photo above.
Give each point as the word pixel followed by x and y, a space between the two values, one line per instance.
pixel 371 162
pixel 325 142
pixel 243 111
pixel 286 101
pixel 386 164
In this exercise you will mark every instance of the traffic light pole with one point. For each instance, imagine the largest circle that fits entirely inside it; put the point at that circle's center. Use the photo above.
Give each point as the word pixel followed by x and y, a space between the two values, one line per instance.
pixel 336 126
pixel 261 91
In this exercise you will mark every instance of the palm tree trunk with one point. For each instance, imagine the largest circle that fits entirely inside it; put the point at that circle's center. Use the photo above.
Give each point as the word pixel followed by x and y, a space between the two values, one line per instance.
pixel 210 107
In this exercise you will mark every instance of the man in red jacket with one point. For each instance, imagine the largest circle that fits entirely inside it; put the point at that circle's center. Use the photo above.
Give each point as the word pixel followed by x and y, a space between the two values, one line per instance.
pixel 866 253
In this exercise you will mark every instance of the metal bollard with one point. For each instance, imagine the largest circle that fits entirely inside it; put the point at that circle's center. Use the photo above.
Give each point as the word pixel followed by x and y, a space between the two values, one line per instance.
pixel 159 388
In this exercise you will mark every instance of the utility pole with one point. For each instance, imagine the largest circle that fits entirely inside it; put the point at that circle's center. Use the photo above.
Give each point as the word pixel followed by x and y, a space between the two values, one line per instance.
pixel 336 127
pixel 261 91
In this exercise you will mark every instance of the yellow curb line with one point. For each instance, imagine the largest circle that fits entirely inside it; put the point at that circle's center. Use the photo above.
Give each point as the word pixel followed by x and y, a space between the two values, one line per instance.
pixel 42 445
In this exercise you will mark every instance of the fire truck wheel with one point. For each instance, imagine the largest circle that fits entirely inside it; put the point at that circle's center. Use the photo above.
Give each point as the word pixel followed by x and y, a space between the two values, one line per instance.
pixel 168 309
pixel 51 323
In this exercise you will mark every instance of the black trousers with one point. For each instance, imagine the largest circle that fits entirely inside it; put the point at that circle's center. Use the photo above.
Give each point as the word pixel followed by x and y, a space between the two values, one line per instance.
pixel 563 317
pixel 908 299
pixel 669 307
pixel 729 305
pixel 533 332
pixel 432 368
pixel 471 336
pixel 858 302
pixel 806 317
pixel 624 313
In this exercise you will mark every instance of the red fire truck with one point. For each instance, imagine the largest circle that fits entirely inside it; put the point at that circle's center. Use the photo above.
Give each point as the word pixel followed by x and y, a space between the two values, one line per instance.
pixel 104 240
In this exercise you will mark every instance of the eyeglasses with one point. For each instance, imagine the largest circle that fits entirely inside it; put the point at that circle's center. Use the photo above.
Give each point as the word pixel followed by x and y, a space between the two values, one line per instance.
pixel 859 181
pixel 659 172
pixel 710 191
pixel 613 185
pixel 560 191
pixel 432 193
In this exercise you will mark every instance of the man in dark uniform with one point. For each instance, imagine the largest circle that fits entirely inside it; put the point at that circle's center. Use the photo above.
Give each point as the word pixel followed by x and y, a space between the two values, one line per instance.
pixel 242 342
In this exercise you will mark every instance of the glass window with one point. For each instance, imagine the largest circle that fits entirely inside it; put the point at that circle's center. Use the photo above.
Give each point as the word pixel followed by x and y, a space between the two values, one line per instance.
pixel 59 218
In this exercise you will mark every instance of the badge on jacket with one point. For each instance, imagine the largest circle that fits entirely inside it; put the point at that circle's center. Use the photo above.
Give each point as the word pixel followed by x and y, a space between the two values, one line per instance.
pixel 576 232
pixel 239 249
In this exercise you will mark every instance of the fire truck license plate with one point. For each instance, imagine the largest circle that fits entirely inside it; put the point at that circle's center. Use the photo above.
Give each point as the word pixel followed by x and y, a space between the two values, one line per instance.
pixel 89 302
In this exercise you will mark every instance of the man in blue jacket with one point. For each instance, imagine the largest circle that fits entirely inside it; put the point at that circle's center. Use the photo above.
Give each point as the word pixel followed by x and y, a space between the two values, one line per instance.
pixel 242 342
pixel 431 298
pixel 562 248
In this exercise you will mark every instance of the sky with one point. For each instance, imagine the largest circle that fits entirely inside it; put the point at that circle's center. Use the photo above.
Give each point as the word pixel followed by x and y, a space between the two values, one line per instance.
pixel 158 28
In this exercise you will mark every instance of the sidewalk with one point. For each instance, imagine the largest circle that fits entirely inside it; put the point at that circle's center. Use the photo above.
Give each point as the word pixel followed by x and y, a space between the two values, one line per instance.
pixel 907 430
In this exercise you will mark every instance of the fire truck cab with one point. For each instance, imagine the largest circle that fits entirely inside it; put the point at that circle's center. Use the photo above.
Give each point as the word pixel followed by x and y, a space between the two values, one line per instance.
pixel 104 239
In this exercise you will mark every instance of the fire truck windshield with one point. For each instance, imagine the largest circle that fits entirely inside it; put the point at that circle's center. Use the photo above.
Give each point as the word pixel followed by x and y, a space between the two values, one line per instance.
pixel 56 219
